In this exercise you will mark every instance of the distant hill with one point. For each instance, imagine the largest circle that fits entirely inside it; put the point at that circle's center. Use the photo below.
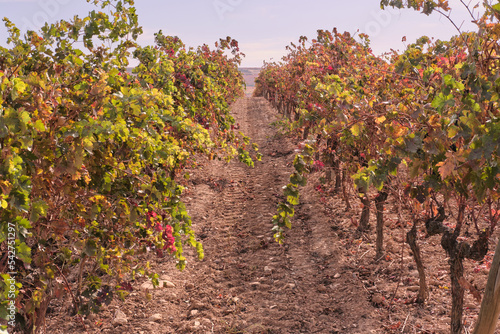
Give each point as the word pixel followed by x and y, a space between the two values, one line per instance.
pixel 250 74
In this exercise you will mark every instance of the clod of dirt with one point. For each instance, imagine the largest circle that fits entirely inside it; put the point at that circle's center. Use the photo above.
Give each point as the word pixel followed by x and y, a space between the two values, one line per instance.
pixel 378 299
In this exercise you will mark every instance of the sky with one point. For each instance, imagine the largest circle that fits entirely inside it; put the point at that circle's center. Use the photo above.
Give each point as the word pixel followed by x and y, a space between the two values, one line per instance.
pixel 263 28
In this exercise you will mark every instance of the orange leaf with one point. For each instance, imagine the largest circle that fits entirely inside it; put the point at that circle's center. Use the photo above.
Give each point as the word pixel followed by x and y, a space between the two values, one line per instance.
pixel 447 167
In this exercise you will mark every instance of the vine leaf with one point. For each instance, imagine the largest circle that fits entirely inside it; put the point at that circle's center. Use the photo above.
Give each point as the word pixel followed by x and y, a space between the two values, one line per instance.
pixel 447 167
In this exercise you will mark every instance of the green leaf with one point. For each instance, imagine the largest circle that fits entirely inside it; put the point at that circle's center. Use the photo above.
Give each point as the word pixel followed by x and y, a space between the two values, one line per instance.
pixel 362 181
pixel 38 209
pixel 4 314
pixel 299 164
pixel 24 117
pixel 18 88
pixel 20 200
pixel 4 130
pixel 19 85
pixel 413 143
pixel 23 252
pixel 298 179
pixel 90 248
pixel 441 101
pixel 23 223
pixel 40 126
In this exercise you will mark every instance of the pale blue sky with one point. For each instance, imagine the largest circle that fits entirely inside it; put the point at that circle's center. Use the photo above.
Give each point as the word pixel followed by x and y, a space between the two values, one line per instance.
pixel 262 27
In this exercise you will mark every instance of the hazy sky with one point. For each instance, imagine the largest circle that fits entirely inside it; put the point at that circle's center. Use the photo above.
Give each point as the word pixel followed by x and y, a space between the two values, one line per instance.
pixel 262 27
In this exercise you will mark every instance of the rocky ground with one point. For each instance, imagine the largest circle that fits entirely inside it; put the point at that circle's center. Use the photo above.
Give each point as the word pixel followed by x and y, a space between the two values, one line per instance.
pixel 323 280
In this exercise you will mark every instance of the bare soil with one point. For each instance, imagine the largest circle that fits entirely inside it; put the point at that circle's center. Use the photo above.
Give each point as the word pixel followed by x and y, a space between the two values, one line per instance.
pixel 322 280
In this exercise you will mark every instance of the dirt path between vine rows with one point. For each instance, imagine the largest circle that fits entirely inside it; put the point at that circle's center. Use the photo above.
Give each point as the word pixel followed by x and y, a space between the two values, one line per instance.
pixel 259 286
pixel 321 281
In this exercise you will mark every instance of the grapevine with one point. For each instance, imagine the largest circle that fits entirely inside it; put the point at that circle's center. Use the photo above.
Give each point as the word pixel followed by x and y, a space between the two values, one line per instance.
pixel 428 115
pixel 92 156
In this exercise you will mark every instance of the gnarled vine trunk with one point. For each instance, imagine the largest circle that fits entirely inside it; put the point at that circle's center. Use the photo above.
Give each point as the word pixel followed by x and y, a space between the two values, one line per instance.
pixel 338 175
pixel 364 220
pixel 345 193
pixel 457 252
pixel 379 205
pixel 411 239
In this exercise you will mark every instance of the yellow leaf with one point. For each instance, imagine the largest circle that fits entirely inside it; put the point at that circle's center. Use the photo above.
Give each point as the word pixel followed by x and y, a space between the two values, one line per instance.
pixel 76 176
pixel 19 85
pixel 356 129
pixel 379 120
pixel 452 132
pixel 97 198
pixel 434 121
pixel 399 131
pixel 372 101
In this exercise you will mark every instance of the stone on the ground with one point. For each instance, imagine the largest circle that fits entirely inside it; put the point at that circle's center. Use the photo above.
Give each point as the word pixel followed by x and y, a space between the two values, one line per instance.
pixel 167 284
pixel 148 285
pixel 254 285
pixel 155 317
pixel 120 318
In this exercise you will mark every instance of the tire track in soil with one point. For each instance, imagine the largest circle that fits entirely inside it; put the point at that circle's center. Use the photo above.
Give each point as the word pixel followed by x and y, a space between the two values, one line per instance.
pixel 247 283
pixel 264 287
